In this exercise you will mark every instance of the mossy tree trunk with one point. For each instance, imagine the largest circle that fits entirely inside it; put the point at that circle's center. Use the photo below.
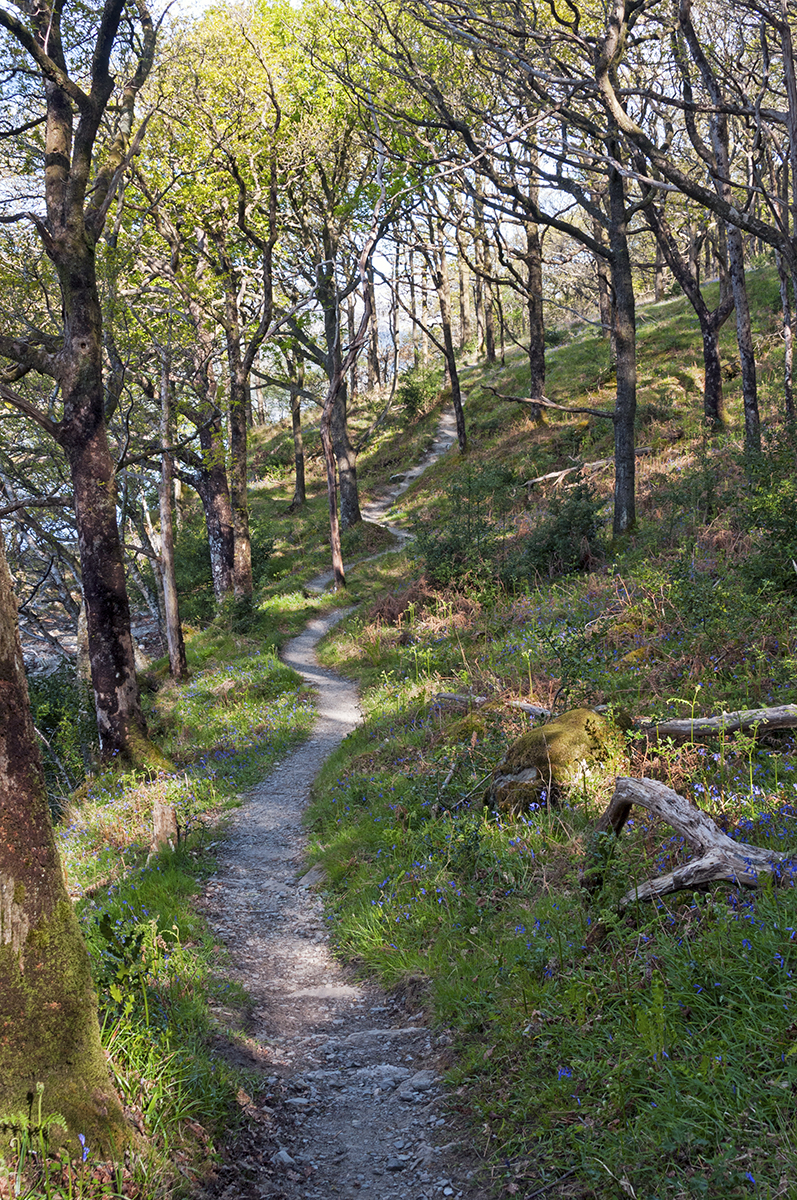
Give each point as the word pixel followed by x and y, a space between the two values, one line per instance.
pixel 48 1013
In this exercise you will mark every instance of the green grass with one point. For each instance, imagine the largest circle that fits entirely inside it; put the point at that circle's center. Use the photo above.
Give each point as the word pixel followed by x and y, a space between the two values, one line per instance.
pixel 564 1048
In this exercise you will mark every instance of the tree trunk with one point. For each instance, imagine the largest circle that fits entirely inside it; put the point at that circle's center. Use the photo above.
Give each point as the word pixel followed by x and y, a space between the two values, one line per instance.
pixel 178 664
pixel 478 304
pixel 535 311
pixel 50 1050
pixel 299 491
pixel 374 374
pixel 424 316
pixel 416 353
pixel 210 481
pixel 239 492
pixel 347 462
pixel 465 333
pixel 335 421
pixel 113 673
pixel 744 338
pixel 489 307
pixel 350 326
pixel 444 299
pixel 625 333
pixel 332 489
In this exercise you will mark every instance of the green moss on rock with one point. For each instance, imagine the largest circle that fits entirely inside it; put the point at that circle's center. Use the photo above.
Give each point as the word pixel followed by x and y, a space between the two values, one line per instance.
pixel 578 745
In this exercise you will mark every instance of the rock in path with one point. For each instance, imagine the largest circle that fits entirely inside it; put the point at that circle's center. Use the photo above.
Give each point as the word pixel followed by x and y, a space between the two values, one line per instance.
pixel 352 1102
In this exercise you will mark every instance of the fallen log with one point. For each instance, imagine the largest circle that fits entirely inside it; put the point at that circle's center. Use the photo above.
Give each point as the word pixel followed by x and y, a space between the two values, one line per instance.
pixel 720 858
pixel 534 710
pixel 782 717
pixel 459 698
pixel 597 465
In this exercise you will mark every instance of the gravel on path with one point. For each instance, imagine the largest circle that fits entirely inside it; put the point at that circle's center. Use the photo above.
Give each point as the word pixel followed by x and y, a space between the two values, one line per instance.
pixel 353 1102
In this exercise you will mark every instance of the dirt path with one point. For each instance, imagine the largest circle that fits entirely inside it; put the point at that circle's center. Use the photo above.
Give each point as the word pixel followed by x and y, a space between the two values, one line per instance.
pixel 354 1101
pixel 378 509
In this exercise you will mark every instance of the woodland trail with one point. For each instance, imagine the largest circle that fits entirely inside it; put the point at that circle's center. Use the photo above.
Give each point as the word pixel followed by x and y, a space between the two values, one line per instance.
pixel 377 510
pixel 352 1101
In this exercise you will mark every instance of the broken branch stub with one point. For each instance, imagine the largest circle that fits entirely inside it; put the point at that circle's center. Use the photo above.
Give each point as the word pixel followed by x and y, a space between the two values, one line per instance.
pixel 720 858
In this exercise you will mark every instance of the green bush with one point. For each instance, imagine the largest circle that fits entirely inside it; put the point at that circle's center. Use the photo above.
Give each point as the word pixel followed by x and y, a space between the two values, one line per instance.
pixel 192 565
pixel 63 714
pixel 566 540
pixel 769 511
pixel 192 569
pixel 417 389
pixel 463 542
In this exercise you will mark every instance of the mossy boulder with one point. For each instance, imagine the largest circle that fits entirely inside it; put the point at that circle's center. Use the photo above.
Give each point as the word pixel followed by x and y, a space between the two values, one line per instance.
pixel 579 746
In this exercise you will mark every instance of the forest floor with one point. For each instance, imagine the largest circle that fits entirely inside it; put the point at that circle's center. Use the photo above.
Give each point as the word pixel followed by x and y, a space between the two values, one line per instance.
pixel 352 1077
pixel 245 1044
pixel 354 1102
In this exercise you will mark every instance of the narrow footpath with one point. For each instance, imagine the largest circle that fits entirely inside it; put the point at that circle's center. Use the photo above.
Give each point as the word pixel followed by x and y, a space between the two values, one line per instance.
pixel 352 1100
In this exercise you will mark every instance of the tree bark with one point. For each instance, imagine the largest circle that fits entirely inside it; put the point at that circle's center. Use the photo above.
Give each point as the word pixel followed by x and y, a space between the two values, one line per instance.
pixel 465 333
pixel 625 333
pixel 210 480
pixel 721 858
pixel 113 673
pixel 744 338
pixel 239 489
pixel 299 489
pixel 346 459
pixel 783 716
pixel 535 311
pixel 374 374
pixel 337 424
pixel 439 267
pixel 178 664
pixel 49 1037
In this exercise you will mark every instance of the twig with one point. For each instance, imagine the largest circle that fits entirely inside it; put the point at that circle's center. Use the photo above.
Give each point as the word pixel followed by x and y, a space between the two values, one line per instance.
pixel 598 465
pixel 553 1183
pixel 468 795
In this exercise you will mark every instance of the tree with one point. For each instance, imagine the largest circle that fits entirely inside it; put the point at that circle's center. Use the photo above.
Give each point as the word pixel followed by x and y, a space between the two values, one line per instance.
pixel 80 177
pixel 50 1051
pixel 537 135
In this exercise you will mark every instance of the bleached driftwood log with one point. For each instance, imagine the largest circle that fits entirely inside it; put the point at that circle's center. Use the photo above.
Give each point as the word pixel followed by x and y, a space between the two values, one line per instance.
pixel 719 856
pixel 782 717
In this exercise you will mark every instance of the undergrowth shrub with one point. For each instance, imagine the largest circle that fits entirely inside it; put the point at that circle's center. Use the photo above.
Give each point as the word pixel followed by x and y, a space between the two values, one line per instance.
pixel 463 542
pixel 769 511
pixel 566 540
pixel 63 715
pixel 417 389
pixel 192 564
